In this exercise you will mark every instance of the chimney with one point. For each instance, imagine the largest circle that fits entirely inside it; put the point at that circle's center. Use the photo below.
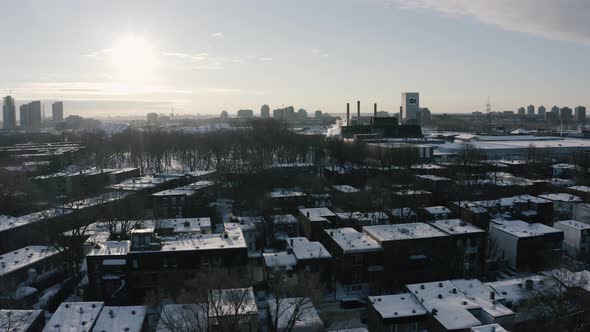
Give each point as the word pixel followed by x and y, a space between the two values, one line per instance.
pixel 348 114
pixel 358 110
pixel 492 295
pixel 375 109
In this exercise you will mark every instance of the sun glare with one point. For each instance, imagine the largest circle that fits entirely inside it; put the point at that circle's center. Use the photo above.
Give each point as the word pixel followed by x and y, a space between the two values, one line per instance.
pixel 133 58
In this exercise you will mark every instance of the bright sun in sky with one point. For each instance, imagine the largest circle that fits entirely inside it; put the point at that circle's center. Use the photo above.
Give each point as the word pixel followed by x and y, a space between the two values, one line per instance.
pixel 133 58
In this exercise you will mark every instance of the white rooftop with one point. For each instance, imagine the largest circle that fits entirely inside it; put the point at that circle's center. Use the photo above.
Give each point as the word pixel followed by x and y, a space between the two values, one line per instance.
pixel 304 249
pixel 447 305
pixel 480 293
pixel 489 328
pixel 408 231
pixel 352 241
pixel 284 193
pixel 399 305
pixel 317 214
pixel 111 248
pixel 185 225
pixel 74 317
pixel 580 188
pixel 121 319
pixel 187 190
pixel 435 210
pixel 432 177
pixel 523 229
pixel 574 224
pixel 231 238
pixel 561 197
pixel 21 258
pixel 364 217
pixel 456 226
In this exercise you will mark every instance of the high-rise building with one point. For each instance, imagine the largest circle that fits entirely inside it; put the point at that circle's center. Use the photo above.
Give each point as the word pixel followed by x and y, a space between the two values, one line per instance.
pixel 580 114
pixel 57 111
pixel 424 116
pixel 410 105
pixel 265 111
pixel 541 110
pixel 318 114
pixel 565 115
pixel 25 116
pixel 555 109
pixel 152 118
pixel 530 111
pixel 521 111
pixel 8 113
pixel 35 114
pixel 302 114
pixel 223 114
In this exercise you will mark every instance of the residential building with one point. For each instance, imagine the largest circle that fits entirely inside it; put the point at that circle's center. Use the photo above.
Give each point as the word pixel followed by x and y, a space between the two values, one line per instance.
pixel 313 221
pixel 358 261
pixel 122 319
pixel 576 237
pixel 74 316
pixel 245 114
pixel 399 312
pixel 541 111
pixel 530 111
pixel 580 114
pixel 525 246
pixel 183 201
pixel 265 111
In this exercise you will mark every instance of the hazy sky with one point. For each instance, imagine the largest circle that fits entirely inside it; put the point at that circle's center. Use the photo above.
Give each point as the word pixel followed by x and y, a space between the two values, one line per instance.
pixel 133 57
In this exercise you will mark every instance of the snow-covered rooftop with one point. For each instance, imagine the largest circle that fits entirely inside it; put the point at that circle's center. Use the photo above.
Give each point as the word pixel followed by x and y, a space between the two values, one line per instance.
pixel 111 248
pixel 352 241
pixel 74 317
pixel 374 218
pixel 561 197
pixel 580 188
pixel 231 238
pixel 448 306
pixel 456 226
pixel 578 225
pixel 121 319
pixel 21 258
pixel 304 249
pixel 437 210
pixel 523 229
pixel 398 305
pixel 145 182
pixel 317 214
pixel 397 232
pixel 489 328
pixel 480 293
pixel 432 177
pixel 186 225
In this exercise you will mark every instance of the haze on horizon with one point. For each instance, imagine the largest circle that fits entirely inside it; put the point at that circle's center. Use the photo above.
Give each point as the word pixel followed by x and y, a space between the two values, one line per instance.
pixel 133 57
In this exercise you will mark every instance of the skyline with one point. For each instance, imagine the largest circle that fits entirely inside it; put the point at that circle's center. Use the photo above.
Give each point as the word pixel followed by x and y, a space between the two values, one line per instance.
pixel 139 57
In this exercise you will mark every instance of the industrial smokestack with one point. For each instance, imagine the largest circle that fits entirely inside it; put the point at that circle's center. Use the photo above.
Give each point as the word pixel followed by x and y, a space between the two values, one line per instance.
pixel 401 114
pixel 348 114
pixel 375 109
pixel 358 110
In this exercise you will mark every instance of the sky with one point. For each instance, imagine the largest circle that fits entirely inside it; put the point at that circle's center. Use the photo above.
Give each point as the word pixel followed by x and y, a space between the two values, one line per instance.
pixel 123 58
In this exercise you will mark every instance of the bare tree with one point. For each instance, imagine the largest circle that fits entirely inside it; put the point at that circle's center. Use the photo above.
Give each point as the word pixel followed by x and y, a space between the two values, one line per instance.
pixel 14 320
pixel 183 318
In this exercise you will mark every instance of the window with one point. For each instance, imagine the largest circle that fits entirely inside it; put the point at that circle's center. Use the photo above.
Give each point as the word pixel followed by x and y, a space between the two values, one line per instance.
pixel 357 260
pixel 357 276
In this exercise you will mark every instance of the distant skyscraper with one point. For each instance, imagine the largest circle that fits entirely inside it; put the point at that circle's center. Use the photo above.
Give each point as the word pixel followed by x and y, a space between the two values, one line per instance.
pixel 555 109
pixel 565 115
pixel 8 113
pixel 318 114
pixel 57 111
pixel 223 114
pixel 265 111
pixel 580 114
pixel 521 111
pixel 541 111
pixel 35 113
pixel 410 105
pixel 302 114
pixel 152 118
pixel 530 111
pixel 25 116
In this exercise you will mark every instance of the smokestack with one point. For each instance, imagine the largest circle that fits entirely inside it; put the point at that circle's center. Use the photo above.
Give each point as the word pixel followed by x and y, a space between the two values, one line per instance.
pixel 375 109
pixel 348 114
pixel 401 114
pixel 358 110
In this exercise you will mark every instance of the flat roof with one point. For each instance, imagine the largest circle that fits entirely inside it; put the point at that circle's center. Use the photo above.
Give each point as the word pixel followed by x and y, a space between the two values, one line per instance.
pixel 456 226
pixel 579 225
pixel 437 210
pixel 317 214
pixel 21 258
pixel 111 248
pixel 352 241
pixel 74 316
pixel 489 328
pixel 480 293
pixel 364 217
pixel 185 225
pixel 407 231
pixel 232 238
pixel 561 197
pixel 280 219
pixel 285 193
pixel 580 188
pixel 398 305
pixel 121 319
pixel 189 189
pixel 432 177
pixel 303 249
pixel 451 306
pixel 523 229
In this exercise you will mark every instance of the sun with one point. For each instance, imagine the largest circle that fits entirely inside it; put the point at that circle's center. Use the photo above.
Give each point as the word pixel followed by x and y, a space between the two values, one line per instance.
pixel 133 58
